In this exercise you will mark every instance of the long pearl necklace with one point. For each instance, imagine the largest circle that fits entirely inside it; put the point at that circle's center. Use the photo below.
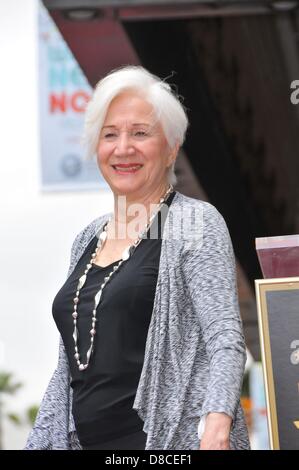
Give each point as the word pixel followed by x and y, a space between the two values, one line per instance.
pixel 127 253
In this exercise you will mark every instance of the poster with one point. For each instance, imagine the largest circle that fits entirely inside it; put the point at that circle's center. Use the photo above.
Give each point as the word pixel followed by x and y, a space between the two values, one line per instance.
pixel 63 94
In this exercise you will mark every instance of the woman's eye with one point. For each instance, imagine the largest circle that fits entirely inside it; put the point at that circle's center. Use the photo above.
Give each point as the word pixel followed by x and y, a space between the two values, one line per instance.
pixel 110 135
pixel 140 134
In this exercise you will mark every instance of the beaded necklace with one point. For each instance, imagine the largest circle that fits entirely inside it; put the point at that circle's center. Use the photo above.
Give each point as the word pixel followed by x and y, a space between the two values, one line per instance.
pixel 127 253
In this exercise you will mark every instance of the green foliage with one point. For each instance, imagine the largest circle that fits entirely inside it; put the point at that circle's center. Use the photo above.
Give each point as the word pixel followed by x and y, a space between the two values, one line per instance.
pixel 31 413
pixel 6 385
pixel 9 387
pixel 245 385
pixel 14 418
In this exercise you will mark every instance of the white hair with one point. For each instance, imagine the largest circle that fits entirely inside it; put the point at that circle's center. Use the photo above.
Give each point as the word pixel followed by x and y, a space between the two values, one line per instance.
pixel 166 104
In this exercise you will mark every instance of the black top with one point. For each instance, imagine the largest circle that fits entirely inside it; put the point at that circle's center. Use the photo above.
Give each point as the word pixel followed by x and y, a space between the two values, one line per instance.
pixel 104 393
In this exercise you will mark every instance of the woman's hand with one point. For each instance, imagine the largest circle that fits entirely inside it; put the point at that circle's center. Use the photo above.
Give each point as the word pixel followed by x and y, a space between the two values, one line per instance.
pixel 216 434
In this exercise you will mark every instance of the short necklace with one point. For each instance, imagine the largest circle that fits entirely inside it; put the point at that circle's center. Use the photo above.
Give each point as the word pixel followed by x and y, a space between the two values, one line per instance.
pixel 127 253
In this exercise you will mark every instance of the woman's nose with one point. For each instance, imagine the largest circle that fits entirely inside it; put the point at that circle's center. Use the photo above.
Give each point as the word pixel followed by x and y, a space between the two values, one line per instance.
pixel 124 144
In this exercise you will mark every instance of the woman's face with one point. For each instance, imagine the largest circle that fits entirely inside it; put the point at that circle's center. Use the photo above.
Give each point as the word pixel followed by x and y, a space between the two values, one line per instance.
pixel 133 154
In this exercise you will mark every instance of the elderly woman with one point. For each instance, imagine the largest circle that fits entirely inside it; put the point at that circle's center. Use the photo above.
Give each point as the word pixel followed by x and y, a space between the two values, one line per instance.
pixel 152 351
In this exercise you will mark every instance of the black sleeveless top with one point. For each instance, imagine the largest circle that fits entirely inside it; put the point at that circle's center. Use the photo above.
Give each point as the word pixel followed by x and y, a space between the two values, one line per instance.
pixel 104 393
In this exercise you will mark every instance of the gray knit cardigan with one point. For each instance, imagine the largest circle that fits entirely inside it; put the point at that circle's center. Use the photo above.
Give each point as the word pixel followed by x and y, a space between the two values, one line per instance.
pixel 195 351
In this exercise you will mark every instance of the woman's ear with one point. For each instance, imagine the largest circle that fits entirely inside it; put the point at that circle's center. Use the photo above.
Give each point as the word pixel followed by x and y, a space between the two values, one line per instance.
pixel 173 154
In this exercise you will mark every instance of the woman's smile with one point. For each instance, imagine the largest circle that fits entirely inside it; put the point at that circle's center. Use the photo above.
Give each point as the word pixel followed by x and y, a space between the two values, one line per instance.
pixel 127 169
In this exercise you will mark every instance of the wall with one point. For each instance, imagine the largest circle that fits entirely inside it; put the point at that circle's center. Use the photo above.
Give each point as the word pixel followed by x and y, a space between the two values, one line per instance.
pixel 37 229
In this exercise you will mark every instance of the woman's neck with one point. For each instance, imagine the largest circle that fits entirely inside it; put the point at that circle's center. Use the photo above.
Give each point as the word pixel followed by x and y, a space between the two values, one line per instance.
pixel 130 212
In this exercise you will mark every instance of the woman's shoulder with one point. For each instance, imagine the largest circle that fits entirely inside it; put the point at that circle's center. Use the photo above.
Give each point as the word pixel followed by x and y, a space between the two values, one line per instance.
pixel 205 229
pixel 192 206
pixel 88 231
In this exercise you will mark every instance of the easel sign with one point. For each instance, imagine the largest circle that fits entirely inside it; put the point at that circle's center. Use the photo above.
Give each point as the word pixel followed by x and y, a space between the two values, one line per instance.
pixel 278 317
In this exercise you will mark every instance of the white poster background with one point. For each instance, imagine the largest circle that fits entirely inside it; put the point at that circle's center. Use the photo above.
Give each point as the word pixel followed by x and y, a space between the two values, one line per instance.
pixel 63 94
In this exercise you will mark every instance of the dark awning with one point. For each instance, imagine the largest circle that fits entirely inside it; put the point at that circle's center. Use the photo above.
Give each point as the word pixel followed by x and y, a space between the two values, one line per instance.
pixel 174 8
